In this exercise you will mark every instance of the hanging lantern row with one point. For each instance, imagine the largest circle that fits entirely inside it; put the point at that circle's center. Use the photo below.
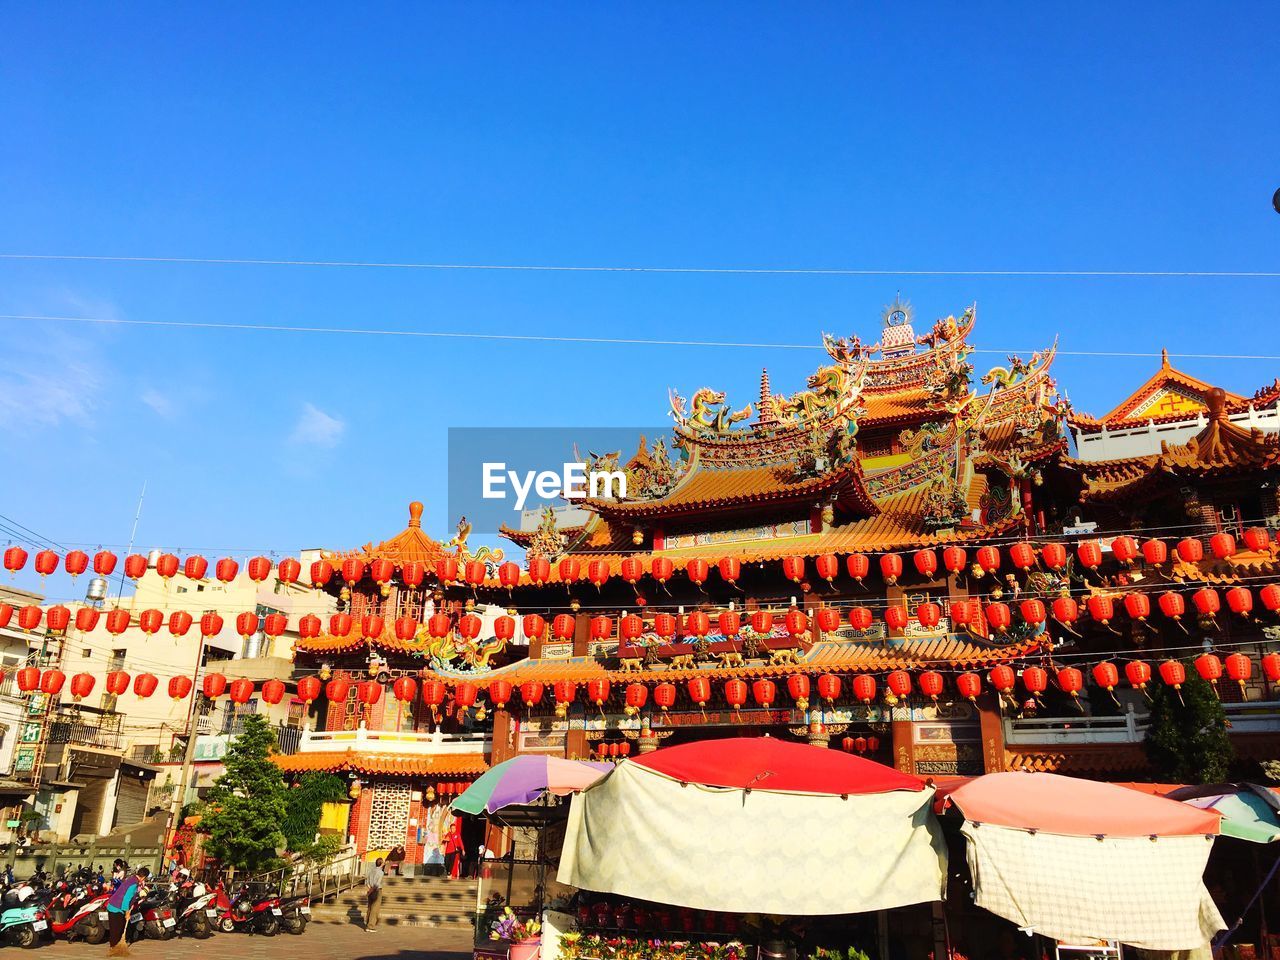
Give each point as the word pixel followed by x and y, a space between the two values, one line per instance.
pixel 612 751
pixel 119 682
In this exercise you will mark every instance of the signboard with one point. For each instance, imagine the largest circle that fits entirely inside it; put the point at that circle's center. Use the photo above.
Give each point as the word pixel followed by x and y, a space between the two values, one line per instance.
pixel 211 748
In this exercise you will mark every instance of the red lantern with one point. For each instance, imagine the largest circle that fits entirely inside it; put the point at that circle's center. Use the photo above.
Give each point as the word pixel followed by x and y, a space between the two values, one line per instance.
pixel 29 617
pixel 730 569
pixel 1222 545
pixel 1239 669
pixel 864 687
pixel 637 695
pixel 1090 554
pixel 1240 601
pixel 499 693
pixel 895 617
pixel 661 568
pixel 1106 676
pixel 76 562
pixel 1071 681
pixel 241 690
pixel 352 571
pixel 1124 549
pixel 381 570
pixel 179 687
pixel 1138 606
pixel 793 568
pixel 539 570
pixel 368 692
pixel 729 622
pixel 929 614
pixel 664 695
pixel 969 686
pixel 564 692
pixel 598 691
pixel 1036 680
pixel 1033 611
pixel 464 695
pixel 1206 601
pixel 117 621
pixel 931 684
pixel 563 626
pixel 828 619
pixel 1065 610
pixel 829 687
pixel 81 685
pixel 6 614
pixel 762 622
pixel 890 567
pixel 1271 667
pixel 15 558
pixel 697 570
pixel 797 622
pixel 321 572
pixel 1172 605
pixel 447 569
pixel 998 616
pixel 798 687
pixel 86 619
pixel 51 682
pixel 144 685
pixel 433 692
pixel 195 567
pixel 1138 674
pixel 828 566
pixel 273 691
pixel 664 625
pixel 570 569
pixel 631 627
pixel 1270 597
pixel 1155 552
pixel 57 618
pixel 1190 550
pixel 225 569
pixel 926 563
pixel 309 689
pixel 166 565
pixel 532 624
pixel 861 618
pixel 28 679
pixel 899 683
pixel 504 627
pixel 215 685
pixel 962 613
pixel 1102 609
pixel 954 559
pixel 1173 673
pixel 468 626
pixel 1023 555
pixel 150 621
pixel 406 628
pixel 735 693
pixel 475 573
pixel 336 690
pixel 247 624
pixel 1002 678
pixel 988 559
pixel 439 624
pixel 1256 539
pixel 1209 667
pixel 341 625
pixel 258 568
pixel 273 624
pixel 288 571
pixel 46 562
pixel 764 693
pixel 1054 555
pixel 632 570
pixel 858 565
pixel 697 624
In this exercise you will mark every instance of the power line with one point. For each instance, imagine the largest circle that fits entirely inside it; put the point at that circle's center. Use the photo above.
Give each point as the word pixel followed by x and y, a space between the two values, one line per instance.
pixel 548 338
pixel 582 268
pixel 10 523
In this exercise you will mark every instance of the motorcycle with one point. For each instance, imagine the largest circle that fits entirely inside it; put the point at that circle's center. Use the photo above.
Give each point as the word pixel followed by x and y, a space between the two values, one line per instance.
pixel 78 909
pixel 152 916
pixel 245 911
pixel 194 908
pixel 22 915
pixel 295 912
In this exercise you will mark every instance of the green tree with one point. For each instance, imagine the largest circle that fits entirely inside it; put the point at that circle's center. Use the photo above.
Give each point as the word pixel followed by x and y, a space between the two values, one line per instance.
pixel 248 803
pixel 1187 740
pixel 304 806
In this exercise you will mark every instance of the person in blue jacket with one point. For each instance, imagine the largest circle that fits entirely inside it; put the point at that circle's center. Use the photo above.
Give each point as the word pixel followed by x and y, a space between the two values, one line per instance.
pixel 118 907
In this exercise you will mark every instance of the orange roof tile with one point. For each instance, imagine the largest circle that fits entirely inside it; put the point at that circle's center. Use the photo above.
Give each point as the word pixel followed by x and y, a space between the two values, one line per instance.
pixel 343 761
pixel 897 406
pixel 1084 759
pixel 409 545
pixel 1165 378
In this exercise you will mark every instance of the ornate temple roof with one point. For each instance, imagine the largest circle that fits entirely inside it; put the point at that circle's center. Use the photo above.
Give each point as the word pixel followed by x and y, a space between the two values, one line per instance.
pixel 407 546
pixel 1221 448
pixel 372 764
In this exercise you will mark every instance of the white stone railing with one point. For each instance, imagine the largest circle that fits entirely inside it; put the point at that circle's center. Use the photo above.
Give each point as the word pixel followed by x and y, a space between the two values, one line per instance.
pixel 1259 716
pixel 406 742
pixel 1145 439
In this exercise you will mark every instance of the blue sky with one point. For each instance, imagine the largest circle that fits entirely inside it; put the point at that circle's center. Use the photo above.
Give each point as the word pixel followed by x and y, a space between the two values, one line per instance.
pixel 1117 136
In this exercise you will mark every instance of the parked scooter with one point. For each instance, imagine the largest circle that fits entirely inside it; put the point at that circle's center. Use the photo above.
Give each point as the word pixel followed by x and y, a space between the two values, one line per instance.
pixel 22 914
pixel 245 911
pixel 194 907
pixel 294 914
pixel 78 909
pixel 152 916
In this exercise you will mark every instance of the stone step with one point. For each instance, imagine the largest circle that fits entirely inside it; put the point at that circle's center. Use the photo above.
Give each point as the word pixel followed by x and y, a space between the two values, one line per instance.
pixel 354 914
pixel 459 899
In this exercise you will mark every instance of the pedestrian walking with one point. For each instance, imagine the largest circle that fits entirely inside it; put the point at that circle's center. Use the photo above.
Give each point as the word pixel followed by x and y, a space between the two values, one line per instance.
pixel 373 889
pixel 118 907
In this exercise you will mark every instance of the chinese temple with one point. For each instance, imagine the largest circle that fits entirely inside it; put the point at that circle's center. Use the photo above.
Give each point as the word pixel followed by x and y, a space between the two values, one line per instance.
pixel 950 573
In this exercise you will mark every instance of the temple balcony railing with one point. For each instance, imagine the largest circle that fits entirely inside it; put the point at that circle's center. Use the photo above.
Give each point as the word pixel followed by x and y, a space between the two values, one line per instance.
pixel 406 742
pixel 1258 716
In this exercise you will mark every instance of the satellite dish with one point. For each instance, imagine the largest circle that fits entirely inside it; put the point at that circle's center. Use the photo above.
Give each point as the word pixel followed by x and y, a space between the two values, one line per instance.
pixel 1275 200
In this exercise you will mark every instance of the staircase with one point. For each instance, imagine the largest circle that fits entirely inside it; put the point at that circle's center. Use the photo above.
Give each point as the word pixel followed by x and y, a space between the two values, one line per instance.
pixel 406 901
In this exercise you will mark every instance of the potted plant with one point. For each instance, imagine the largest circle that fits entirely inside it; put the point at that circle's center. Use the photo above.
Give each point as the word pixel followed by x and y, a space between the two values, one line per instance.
pixel 523 936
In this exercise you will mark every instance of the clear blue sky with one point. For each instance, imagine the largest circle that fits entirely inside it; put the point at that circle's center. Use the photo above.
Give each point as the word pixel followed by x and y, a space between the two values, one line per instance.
pixel 1118 136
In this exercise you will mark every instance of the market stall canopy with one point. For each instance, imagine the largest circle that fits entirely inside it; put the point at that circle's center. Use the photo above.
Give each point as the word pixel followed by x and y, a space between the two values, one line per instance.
pixel 1078 860
pixel 740 825
pixel 1249 811
pixel 525 779
pixel 1057 804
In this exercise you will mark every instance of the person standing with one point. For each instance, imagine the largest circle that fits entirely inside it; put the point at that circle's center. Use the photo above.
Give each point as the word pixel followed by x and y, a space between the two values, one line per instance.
pixel 122 897
pixel 373 889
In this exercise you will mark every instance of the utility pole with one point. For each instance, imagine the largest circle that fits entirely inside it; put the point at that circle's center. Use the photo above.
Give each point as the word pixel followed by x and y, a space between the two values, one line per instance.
pixel 189 755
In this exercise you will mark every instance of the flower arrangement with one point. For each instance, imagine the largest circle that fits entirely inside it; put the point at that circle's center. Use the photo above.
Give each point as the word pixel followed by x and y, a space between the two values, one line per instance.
pixel 511 928
pixel 591 946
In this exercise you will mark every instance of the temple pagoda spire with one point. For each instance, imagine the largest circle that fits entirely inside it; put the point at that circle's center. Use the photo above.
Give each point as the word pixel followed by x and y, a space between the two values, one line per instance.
pixel 765 412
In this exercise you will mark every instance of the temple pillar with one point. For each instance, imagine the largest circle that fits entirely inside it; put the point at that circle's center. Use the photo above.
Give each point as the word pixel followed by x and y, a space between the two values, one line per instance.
pixel 903 746
pixel 991 727
pixel 504 737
